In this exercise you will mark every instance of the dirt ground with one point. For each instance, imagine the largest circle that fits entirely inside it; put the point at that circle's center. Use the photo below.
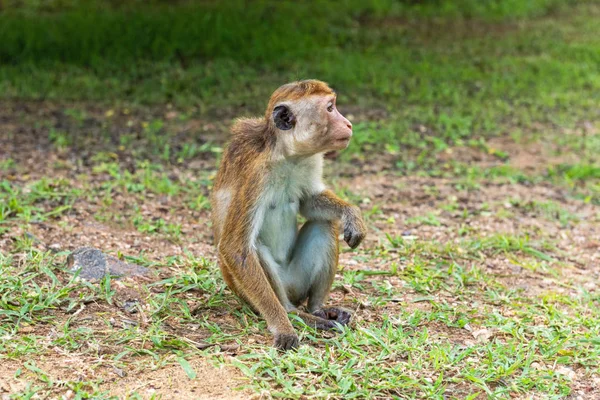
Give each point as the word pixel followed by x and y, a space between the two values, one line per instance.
pixel 493 207
pixel 169 382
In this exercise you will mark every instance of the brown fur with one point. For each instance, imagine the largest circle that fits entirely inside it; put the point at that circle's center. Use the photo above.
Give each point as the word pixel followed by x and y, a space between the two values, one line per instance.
pixel 244 168
pixel 295 91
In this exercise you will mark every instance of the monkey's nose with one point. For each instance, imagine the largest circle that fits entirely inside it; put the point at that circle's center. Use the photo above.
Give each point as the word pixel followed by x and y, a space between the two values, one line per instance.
pixel 349 125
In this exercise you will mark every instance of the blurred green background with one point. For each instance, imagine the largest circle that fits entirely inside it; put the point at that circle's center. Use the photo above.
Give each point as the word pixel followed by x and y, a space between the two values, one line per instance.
pixel 424 75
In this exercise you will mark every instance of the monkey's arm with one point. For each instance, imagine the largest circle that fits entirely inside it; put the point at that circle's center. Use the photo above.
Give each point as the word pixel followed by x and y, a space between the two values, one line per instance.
pixel 326 206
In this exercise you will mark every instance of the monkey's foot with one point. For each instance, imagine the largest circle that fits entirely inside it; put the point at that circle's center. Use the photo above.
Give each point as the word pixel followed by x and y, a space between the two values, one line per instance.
pixel 286 341
pixel 335 314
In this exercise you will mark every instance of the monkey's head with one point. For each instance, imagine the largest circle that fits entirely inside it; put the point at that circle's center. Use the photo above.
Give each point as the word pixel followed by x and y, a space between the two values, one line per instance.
pixel 305 120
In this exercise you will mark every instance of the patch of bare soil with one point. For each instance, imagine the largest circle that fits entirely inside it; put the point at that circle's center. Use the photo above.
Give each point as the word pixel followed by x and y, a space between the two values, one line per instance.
pixel 171 382
pixel 492 209
pixel 391 203
pixel 166 382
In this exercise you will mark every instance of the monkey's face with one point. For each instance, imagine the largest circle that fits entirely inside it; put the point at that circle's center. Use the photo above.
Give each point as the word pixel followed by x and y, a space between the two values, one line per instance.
pixel 311 125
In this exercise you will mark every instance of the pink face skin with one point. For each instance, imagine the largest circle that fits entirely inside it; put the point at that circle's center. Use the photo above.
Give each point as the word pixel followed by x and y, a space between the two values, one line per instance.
pixel 339 128
pixel 315 126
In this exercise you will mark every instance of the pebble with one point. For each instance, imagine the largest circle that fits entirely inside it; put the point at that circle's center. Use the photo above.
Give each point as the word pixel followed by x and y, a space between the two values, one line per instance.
pixel 93 265
pixel 568 372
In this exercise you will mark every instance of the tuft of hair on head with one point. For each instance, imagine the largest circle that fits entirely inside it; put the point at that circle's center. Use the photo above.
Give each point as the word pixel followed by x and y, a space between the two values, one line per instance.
pixel 253 132
pixel 248 126
pixel 296 90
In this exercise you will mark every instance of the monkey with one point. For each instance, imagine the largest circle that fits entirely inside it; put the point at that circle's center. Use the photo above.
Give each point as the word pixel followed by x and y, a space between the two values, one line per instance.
pixel 270 172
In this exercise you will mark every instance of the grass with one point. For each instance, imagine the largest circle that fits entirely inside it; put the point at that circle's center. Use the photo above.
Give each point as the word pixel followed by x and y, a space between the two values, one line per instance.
pixel 462 88
pixel 85 33
pixel 107 59
pixel 406 353
pixel 474 160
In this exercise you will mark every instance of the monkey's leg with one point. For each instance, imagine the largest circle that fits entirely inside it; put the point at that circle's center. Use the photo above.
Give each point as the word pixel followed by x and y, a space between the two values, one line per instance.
pixel 252 284
pixel 274 271
pixel 315 256
pixel 287 285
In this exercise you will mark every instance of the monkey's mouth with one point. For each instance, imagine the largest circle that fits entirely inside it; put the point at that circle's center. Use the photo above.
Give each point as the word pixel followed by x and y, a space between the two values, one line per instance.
pixel 343 140
pixel 341 143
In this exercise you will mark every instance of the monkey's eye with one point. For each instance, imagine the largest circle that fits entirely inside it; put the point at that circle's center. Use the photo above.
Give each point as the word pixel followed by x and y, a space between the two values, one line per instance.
pixel 330 106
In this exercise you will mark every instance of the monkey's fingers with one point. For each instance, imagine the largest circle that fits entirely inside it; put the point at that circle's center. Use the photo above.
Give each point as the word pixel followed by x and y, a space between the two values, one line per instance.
pixel 336 314
pixel 339 315
pixel 286 341
pixel 347 236
pixel 317 321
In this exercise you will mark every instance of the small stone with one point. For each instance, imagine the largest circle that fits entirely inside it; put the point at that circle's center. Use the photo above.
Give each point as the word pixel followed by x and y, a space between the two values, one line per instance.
pixel 230 347
pixel 537 366
pixel 590 286
pixel 407 233
pixel 482 335
pixel 92 264
pixel 566 371
pixel 119 372
pixel 26 329
pixel 117 267
pixel 55 247
pixel 130 306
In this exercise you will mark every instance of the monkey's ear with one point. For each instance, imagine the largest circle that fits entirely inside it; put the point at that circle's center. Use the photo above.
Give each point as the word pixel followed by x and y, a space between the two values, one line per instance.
pixel 284 118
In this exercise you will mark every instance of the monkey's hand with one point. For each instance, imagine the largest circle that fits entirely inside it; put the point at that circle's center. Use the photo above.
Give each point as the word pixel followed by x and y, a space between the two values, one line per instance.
pixel 354 226
pixel 334 314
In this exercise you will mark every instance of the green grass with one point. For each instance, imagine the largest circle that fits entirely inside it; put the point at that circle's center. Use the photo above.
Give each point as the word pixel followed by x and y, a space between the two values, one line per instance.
pixel 476 283
pixel 109 55
pixel 536 69
pixel 24 202
pixel 524 341
pixel 94 34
